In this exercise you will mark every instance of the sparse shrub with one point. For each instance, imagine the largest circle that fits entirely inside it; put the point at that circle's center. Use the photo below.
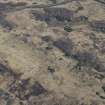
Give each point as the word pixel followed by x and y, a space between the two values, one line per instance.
pixel 100 67
pixel 60 14
pixel 38 89
pixel 53 1
pixel 6 24
pixel 51 70
pixel 65 45
pixel 86 58
pixel 6 97
pixel 89 59
pixel 98 25
pixel 40 16
pixel 23 90
pixel 46 38
pixel 68 28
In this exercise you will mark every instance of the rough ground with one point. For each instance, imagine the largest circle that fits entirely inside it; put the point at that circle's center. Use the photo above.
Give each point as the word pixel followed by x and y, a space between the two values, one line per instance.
pixel 52 55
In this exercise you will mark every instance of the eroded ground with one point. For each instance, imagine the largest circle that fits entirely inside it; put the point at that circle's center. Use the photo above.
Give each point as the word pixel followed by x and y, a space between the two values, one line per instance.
pixel 52 52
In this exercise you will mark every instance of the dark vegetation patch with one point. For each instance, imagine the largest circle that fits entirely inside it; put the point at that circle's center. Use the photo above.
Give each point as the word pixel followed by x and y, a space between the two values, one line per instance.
pixel 47 38
pixel 101 96
pixel 5 70
pixel 99 76
pixel 38 89
pixel 68 28
pixel 98 25
pixel 6 97
pixel 57 16
pixel 86 58
pixel 23 90
pixel 16 4
pixel 100 67
pixel 54 1
pixel 5 6
pixel 60 14
pixel 98 42
pixel 10 6
pixel 101 1
pixel 103 87
pixel 89 59
pixel 26 38
pixel 83 18
pixel 100 45
pixel 20 89
pixel 65 45
pixel 80 8
pixel 49 47
pixel 51 69
pixel 40 16
pixel 80 19
pixel 6 24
